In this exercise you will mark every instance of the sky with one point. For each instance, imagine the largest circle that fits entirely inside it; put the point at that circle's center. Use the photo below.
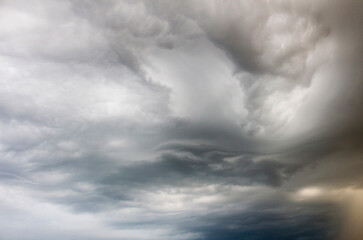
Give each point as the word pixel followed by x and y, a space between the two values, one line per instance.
pixel 181 120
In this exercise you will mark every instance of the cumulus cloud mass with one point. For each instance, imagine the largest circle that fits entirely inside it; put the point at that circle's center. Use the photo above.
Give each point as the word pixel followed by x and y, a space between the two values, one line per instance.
pixel 181 120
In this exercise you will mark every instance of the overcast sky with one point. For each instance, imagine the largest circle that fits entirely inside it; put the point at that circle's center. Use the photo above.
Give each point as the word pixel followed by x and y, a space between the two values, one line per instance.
pixel 181 120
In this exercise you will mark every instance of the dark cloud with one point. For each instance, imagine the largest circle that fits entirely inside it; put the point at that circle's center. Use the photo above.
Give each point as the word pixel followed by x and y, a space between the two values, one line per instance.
pixel 181 120
pixel 272 225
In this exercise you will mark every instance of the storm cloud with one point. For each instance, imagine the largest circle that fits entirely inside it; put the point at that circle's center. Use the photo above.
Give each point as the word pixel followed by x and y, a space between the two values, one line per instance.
pixel 190 120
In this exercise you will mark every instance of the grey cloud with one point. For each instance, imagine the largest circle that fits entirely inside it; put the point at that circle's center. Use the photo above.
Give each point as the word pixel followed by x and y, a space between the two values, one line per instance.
pixel 179 120
pixel 271 224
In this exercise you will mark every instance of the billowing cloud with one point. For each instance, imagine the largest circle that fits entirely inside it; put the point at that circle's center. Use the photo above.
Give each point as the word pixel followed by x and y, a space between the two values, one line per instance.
pixel 181 119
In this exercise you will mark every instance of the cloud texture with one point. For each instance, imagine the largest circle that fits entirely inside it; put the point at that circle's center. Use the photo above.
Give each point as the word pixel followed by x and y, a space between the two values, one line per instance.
pixel 205 119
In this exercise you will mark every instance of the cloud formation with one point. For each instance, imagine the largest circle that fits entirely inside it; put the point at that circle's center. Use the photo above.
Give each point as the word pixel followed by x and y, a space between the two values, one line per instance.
pixel 181 119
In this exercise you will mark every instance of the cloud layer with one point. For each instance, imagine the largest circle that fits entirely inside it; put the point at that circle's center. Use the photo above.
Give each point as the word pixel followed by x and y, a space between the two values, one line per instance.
pixel 181 119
